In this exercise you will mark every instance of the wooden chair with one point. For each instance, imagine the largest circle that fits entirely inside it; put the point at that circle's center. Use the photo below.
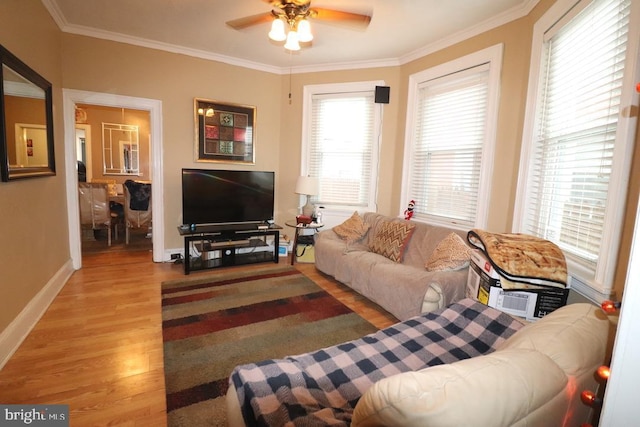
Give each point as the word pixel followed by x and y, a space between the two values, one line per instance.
pixel 94 207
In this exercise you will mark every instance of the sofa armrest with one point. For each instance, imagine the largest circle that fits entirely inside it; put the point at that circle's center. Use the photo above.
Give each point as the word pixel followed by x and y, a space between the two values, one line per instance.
pixel 445 287
pixel 234 413
pixel 498 389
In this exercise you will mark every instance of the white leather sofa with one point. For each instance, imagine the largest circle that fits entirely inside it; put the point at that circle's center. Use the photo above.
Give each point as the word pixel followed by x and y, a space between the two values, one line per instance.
pixel 534 378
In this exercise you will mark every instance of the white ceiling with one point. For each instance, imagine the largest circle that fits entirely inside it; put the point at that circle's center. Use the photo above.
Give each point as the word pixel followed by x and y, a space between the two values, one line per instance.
pixel 400 30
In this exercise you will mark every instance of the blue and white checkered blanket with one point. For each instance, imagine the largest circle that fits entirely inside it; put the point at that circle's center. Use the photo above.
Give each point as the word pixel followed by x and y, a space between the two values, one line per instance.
pixel 323 387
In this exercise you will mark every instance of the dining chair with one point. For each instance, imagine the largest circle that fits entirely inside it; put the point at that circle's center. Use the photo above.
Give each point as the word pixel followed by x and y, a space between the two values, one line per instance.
pixel 94 207
pixel 137 206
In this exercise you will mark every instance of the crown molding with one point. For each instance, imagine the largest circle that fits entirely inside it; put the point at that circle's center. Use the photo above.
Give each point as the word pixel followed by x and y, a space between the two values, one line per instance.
pixel 496 21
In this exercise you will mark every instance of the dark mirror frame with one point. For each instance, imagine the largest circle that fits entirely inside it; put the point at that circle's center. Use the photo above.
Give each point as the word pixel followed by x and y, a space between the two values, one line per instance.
pixel 7 173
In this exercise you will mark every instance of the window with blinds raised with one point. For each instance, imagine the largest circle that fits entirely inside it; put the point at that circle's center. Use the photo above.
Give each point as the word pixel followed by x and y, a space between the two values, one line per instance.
pixel 568 196
pixel 341 146
pixel 450 140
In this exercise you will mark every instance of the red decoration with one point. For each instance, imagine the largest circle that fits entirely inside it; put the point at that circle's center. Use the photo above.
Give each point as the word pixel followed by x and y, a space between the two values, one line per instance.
pixel 610 307
pixel 638 87
pixel 408 213
pixel 589 398
pixel 603 372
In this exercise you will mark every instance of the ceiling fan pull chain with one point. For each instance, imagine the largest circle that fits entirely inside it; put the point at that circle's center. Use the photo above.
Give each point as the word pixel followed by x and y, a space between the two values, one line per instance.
pixel 290 72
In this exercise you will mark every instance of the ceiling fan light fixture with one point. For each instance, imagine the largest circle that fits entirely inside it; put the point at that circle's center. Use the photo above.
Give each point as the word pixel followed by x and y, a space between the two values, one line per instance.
pixel 292 41
pixel 304 31
pixel 277 30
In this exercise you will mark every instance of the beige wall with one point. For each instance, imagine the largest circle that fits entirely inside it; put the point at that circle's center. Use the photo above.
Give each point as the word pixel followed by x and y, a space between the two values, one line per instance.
pixel 291 131
pixel 37 224
pixel 516 40
pixel 96 65
pixel 33 231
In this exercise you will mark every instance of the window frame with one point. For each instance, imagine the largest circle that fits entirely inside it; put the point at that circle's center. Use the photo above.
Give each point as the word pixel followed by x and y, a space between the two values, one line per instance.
pixel 492 56
pixel 307 118
pixel 595 286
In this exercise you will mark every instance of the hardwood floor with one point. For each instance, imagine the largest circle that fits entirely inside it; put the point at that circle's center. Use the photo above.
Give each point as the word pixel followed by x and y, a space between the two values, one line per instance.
pixel 98 348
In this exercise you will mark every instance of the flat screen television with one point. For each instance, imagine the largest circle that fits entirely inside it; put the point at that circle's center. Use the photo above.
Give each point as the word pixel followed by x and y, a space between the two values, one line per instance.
pixel 227 196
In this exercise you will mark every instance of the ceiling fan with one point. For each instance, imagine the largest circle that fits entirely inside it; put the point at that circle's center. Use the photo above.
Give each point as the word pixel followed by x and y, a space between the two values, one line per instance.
pixel 294 14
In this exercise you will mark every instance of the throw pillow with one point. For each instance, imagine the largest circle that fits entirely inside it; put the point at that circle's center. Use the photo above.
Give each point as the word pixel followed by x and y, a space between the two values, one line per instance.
pixel 391 239
pixel 353 229
pixel 452 253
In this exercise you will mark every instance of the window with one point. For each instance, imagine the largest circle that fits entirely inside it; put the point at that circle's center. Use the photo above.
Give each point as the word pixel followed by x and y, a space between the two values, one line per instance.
pixel 340 133
pixel 451 125
pixel 577 144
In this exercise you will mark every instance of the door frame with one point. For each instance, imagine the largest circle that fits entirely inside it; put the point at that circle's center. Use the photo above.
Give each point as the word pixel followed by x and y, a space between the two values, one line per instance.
pixel 71 97
pixel 87 144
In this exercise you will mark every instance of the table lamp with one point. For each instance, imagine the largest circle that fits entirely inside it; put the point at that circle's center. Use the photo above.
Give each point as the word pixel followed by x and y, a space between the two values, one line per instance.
pixel 307 186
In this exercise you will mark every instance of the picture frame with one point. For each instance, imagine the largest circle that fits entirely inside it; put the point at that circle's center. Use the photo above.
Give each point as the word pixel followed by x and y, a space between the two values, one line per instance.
pixel 224 132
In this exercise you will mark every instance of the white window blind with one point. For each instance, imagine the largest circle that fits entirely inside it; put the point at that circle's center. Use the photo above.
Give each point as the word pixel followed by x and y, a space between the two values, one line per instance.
pixel 445 166
pixel 577 121
pixel 341 148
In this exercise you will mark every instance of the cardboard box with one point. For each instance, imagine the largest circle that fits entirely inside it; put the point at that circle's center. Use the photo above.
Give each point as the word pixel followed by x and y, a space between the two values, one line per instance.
pixel 483 285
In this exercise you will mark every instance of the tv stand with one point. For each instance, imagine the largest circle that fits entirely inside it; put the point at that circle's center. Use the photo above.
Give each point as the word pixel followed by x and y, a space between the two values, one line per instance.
pixel 228 245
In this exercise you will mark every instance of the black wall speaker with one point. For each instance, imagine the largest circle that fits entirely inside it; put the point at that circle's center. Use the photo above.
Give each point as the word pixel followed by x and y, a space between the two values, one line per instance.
pixel 382 94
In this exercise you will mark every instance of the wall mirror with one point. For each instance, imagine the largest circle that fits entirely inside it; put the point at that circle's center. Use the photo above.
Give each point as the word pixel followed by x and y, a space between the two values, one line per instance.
pixel 26 121
pixel 120 149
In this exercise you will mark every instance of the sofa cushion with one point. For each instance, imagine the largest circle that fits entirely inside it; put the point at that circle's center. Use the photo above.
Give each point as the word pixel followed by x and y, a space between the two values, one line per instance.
pixel 565 334
pixel 498 389
pixel 353 229
pixel 391 239
pixel 452 253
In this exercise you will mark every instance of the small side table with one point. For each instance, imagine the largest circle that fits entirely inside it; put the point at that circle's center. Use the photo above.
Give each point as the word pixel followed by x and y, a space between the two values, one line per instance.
pixel 294 224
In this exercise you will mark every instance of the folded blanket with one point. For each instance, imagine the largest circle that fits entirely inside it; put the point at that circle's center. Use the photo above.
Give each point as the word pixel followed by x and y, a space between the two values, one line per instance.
pixel 522 261
pixel 323 387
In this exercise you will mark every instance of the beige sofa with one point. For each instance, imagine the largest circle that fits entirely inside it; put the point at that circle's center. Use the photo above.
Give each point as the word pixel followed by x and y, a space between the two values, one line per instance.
pixel 405 288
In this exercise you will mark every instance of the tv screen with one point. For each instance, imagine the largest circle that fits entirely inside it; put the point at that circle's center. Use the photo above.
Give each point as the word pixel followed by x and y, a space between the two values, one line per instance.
pixel 227 196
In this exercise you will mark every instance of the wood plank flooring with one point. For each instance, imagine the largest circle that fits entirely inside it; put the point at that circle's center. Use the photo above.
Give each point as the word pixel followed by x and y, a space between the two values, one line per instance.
pixel 98 348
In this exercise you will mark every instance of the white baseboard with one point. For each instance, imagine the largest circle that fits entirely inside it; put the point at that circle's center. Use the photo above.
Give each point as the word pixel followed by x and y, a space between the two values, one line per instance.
pixel 166 256
pixel 17 331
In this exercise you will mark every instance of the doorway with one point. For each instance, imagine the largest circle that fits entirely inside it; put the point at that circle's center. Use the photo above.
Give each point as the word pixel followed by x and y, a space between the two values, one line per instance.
pixel 113 147
pixel 70 99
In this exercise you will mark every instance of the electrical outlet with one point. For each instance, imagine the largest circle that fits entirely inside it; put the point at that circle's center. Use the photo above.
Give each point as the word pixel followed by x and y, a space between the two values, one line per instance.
pixel 175 256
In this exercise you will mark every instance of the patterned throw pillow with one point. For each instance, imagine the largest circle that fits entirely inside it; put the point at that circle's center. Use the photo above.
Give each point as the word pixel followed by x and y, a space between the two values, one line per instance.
pixel 391 239
pixel 352 229
pixel 452 253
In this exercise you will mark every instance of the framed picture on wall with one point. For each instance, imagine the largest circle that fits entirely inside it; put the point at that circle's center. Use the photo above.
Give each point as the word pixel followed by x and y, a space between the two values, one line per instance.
pixel 224 132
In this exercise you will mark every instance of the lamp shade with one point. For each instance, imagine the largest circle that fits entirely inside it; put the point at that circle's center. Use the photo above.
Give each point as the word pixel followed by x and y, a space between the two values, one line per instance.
pixel 307 185
pixel 292 41
pixel 304 31
pixel 277 30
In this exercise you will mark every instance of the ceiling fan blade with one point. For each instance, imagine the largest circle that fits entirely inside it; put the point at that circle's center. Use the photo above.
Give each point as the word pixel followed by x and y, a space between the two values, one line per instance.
pixel 337 15
pixel 248 21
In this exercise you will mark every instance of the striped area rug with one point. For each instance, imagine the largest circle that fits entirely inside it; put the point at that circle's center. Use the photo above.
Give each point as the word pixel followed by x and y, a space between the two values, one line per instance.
pixel 211 324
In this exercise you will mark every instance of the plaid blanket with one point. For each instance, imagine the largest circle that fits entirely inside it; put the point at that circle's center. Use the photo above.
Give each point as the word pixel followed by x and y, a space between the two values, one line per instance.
pixel 323 387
